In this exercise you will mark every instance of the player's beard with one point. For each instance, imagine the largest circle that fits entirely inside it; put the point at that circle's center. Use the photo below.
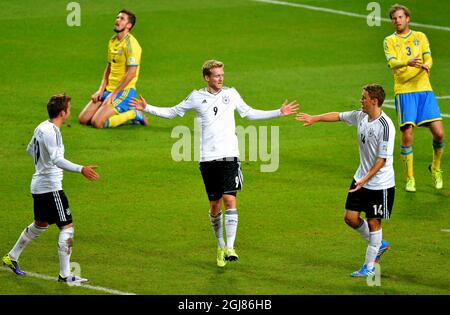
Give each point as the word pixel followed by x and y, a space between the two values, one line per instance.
pixel 118 30
pixel 401 28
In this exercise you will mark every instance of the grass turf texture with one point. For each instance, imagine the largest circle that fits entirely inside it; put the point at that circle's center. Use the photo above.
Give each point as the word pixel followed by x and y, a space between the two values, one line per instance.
pixel 144 226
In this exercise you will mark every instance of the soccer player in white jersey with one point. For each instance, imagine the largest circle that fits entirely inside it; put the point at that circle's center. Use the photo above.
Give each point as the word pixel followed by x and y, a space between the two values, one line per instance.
pixel 219 153
pixel 50 203
pixel 373 187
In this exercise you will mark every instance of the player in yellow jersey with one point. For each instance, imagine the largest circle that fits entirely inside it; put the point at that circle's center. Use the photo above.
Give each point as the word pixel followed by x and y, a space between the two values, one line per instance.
pixel 109 105
pixel 409 56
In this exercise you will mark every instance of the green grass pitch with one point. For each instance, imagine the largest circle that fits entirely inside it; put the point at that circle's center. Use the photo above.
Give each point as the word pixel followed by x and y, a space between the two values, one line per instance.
pixel 144 228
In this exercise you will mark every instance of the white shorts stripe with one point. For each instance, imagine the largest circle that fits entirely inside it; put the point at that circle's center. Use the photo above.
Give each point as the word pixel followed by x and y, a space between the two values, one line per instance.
pixel 56 205
pixel 59 206
pixel 63 213
pixel 241 176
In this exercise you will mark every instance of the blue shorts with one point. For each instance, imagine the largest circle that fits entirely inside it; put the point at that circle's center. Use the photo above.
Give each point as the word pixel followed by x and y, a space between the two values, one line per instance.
pixel 120 103
pixel 417 108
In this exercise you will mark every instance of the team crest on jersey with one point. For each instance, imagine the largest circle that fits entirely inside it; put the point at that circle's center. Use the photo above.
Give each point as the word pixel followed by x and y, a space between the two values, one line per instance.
pixel 225 99
pixel 371 133
pixel 68 211
pixel 416 42
pixel 119 52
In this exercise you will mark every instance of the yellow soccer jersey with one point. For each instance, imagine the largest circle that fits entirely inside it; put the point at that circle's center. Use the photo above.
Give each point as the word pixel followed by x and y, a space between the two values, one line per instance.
pixel 398 50
pixel 122 54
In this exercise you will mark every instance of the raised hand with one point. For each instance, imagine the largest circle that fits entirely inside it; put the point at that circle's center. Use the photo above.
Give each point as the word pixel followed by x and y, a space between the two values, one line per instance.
pixel 289 109
pixel 415 62
pixel 306 118
pixel 426 68
pixel 90 173
pixel 358 186
pixel 138 103
pixel 96 96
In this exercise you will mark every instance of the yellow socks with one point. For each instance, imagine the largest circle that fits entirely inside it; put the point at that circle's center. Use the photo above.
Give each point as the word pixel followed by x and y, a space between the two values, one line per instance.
pixel 120 119
pixel 438 150
pixel 407 156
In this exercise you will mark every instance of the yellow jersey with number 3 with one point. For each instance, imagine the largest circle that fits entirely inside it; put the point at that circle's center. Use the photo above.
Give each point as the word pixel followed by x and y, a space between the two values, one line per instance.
pixel 122 54
pixel 399 50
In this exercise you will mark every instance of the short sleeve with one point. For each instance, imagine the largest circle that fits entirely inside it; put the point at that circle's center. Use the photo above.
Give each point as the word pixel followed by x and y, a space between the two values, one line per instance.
pixel 352 117
pixel 385 142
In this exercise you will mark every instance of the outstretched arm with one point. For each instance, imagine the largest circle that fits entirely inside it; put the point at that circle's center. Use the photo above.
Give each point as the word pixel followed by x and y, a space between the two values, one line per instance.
pixel 165 112
pixel 375 168
pixel 309 120
pixel 285 110
pixel 87 171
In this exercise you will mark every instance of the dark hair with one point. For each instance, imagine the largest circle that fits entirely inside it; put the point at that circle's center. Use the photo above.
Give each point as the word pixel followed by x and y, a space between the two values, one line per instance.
pixel 131 17
pixel 396 7
pixel 56 104
pixel 375 91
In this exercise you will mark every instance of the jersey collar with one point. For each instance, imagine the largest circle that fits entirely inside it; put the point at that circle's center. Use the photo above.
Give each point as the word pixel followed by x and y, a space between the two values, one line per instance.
pixel 404 37
pixel 215 94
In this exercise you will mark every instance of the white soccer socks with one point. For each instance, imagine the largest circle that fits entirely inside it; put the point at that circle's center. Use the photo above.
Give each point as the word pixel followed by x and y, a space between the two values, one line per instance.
pixel 65 242
pixel 217 225
pixel 30 233
pixel 231 222
pixel 373 247
pixel 363 230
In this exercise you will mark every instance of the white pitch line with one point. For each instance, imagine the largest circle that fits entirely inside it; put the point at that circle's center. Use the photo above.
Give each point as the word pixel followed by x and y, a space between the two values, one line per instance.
pixel 322 9
pixel 54 279
pixel 445 230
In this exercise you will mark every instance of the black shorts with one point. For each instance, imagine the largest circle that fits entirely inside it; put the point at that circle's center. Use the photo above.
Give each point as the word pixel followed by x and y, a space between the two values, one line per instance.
pixel 223 176
pixel 377 204
pixel 52 207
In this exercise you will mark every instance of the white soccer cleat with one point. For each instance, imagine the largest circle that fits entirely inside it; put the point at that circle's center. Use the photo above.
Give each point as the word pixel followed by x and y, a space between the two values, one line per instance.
pixel 72 280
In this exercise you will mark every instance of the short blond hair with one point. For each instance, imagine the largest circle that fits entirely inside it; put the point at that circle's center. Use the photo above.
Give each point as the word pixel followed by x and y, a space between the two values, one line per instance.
pixel 396 7
pixel 210 64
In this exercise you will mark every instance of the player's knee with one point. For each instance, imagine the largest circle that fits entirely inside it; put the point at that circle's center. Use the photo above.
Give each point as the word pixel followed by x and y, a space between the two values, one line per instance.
pixel 229 201
pixel 83 120
pixel 216 206
pixel 351 221
pixel 438 136
pixel 229 204
pixel 374 225
pixel 97 124
pixel 34 230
